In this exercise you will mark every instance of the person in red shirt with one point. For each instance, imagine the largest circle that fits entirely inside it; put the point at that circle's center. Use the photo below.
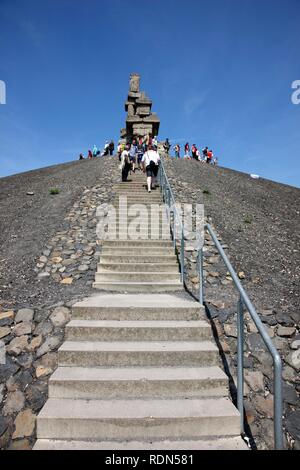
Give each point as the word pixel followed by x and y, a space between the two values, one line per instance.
pixel 209 156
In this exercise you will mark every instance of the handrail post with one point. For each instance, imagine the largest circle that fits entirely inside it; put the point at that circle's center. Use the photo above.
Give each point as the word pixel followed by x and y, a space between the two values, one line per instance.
pixel 174 230
pixel 167 201
pixel 182 256
pixel 240 361
pixel 278 403
pixel 200 271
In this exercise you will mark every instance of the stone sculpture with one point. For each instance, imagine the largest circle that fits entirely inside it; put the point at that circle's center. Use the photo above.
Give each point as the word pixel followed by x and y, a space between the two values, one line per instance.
pixel 140 120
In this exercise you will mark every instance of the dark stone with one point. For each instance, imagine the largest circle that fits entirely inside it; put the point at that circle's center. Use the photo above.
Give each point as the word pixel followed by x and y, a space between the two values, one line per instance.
pixel 293 424
pixel 213 312
pixel 37 394
pixel 6 321
pixel 225 314
pixel 256 343
pixel 285 319
pixel 7 339
pixel 248 362
pixel 22 379
pixel 267 431
pixel 289 393
pixel 296 317
pixel 8 369
pixel 3 424
pixel 25 360
pixel 269 320
pixel 41 315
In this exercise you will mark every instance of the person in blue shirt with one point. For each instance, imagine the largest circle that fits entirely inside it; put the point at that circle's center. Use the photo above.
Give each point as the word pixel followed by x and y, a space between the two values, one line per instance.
pixel 95 151
pixel 133 154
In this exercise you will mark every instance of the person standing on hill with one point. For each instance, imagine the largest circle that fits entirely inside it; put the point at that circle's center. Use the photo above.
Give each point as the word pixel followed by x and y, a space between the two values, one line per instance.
pixel 186 150
pixel 90 155
pixel 209 156
pixel 194 151
pixel 204 153
pixel 111 148
pixel 95 151
pixel 167 145
pixel 151 161
pixel 177 150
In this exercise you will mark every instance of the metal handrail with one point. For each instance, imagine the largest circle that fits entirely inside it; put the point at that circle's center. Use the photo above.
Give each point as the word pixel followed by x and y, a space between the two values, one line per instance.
pixel 243 301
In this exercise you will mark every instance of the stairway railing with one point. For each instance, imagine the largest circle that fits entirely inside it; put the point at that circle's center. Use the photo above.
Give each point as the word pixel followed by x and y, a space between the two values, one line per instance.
pixel 243 301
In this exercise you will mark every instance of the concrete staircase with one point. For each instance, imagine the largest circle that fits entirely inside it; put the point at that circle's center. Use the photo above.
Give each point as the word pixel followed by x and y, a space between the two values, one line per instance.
pixel 138 370
pixel 146 264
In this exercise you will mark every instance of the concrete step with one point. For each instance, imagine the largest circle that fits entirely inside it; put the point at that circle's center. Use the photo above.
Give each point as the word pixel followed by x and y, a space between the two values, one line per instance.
pixel 139 243
pixel 121 218
pixel 137 267
pixel 138 382
pixel 123 235
pixel 137 199
pixel 131 193
pixel 128 250
pixel 114 286
pixel 222 443
pixel 137 276
pixel 135 258
pixel 138 307
pixel 137 419
pixel 126 330
pixel 137 353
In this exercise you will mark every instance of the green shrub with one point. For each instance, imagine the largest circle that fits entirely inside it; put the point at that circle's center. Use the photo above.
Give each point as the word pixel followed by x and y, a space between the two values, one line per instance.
pixel 206 191
pixel 248 220
pixel 53 190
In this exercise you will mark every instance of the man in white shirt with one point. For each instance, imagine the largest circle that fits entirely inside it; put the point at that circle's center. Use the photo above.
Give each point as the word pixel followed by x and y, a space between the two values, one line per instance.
pixel 150 162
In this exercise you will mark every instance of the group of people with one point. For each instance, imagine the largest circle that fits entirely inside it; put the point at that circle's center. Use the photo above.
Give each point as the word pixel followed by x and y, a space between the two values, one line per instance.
pixel 141 154
pixel 205 155
pixel 108 149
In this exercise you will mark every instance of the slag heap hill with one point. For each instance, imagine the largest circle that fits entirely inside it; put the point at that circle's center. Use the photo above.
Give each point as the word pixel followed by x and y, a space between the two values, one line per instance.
pixel 140 119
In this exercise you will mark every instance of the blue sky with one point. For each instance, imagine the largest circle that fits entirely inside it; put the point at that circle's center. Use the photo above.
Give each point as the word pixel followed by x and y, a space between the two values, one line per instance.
pixel 219 74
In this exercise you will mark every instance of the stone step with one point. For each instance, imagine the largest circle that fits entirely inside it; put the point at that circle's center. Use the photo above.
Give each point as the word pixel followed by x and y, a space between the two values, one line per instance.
pixel 222 443
pixel 119 383
pixel 137 419
pixel 130 192
pixel 126 330
pixel 128 250
pixel 135 258
pixel 109 276
pixel 139 243
pixel 137 198
pixel 137 267
pixel 114 286
pixel 150 223
pixel 137 353
pixel 138 307
pixel 123 235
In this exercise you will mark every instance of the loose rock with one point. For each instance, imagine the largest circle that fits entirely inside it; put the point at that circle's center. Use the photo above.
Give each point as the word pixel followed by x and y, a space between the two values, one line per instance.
pixel 14 402
pixel 60 316
pixel 17 345
pixel 24 314
pixel 24 423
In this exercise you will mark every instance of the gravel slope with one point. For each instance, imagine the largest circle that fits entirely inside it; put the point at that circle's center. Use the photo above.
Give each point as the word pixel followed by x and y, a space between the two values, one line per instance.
pixel 27 222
